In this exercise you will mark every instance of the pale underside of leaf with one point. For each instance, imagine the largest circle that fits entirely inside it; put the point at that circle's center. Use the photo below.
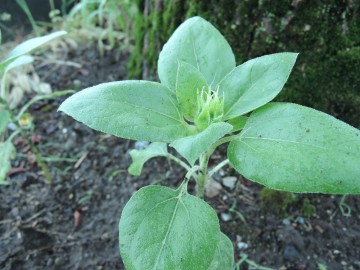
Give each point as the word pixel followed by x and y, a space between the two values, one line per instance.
pixel 298 149
pixel 138 110
pixel 139 157
pixel 162 228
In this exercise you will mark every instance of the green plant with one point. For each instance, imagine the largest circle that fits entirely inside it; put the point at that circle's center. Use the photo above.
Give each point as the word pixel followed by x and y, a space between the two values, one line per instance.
pixel 275 199
pixel 250 263
pixel 106 21
pixel 202 102
pixel 24 6
pixel 16 58
pixel 307 208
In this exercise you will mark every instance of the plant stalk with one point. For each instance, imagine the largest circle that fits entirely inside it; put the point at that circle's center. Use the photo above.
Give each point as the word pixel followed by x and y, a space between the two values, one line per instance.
pixel 201 177
pixel 33 148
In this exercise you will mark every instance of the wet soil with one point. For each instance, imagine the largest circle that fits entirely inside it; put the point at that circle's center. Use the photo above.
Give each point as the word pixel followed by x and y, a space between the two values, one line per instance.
pixel 73 222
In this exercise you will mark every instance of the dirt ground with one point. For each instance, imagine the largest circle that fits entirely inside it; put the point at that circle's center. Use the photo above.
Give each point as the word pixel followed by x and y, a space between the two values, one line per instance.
pixel 73 223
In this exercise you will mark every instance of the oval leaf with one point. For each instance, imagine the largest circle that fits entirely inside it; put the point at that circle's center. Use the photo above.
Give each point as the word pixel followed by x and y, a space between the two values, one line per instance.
pixel 161 228
pixel 137 110
pixel 139 157
pixel 192 147
pixel 255 83
pixel 200 44
pixel 30 45
pixel 224 255
pixel 189 83
pixel 294 148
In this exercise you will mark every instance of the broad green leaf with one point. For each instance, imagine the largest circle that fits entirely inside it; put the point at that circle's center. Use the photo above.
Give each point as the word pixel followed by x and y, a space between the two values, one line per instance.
pixel 137 110
pixel 192 147
pixel 139 157
pixel 255 83
pixel 200 44
pixel 238 123
pixel 224 255
pixel 290 147
pixel 7 152
pixel 4 120
pixel 189 83
pixel 161 228
pixel 30 45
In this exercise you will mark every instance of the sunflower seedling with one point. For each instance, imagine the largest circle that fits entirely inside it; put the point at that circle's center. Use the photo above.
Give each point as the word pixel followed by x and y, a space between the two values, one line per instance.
pixel 203 101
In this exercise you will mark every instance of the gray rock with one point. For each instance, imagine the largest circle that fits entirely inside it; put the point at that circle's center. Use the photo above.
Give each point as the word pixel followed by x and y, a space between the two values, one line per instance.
pixel 290 253
pixel 229 181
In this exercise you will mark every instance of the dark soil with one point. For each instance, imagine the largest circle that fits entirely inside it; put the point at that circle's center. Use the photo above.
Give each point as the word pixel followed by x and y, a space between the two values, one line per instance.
pixel 73 223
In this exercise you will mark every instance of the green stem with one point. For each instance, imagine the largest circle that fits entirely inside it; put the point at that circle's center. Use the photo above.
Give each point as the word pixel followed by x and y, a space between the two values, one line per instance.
pixel 204 159
pixel 42 97
pixel 201 177
pixel 23 5
pixel 179 161
pixel 191 172
pixel 3 86
pixel 39 160
pixel 218 167
pixel 222 141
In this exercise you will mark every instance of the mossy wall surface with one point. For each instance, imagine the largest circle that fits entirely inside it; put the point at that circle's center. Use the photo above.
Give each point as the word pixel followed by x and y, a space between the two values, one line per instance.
pixel 325 33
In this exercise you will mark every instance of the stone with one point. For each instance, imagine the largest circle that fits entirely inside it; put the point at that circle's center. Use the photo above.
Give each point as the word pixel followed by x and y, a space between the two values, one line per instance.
pixel 229 181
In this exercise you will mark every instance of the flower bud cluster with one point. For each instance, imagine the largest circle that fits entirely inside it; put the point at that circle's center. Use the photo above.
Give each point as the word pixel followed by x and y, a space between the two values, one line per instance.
pixel 210 108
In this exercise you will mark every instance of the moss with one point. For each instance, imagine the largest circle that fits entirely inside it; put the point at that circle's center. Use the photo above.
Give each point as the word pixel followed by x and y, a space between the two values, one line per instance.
pixel 276 200
pixel 307 209
pixel 135 62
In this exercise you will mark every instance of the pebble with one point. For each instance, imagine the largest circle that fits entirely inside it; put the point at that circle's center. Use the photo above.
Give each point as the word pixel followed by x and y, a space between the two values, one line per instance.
pixel 12 126
pixel 77 83
pixel 300 220
pixel 229 181
pixel 242 245
pixel 49 262
pixel 105 236
pixel 140 145
pixel 59 260
pixel 212 188
pixel 286 222
pixel 225 217
pixel 290 253
pixel 50 129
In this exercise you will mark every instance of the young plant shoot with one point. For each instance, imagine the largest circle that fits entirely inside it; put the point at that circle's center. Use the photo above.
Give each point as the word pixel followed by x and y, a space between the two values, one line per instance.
pixel 16 58
pixel 202 102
